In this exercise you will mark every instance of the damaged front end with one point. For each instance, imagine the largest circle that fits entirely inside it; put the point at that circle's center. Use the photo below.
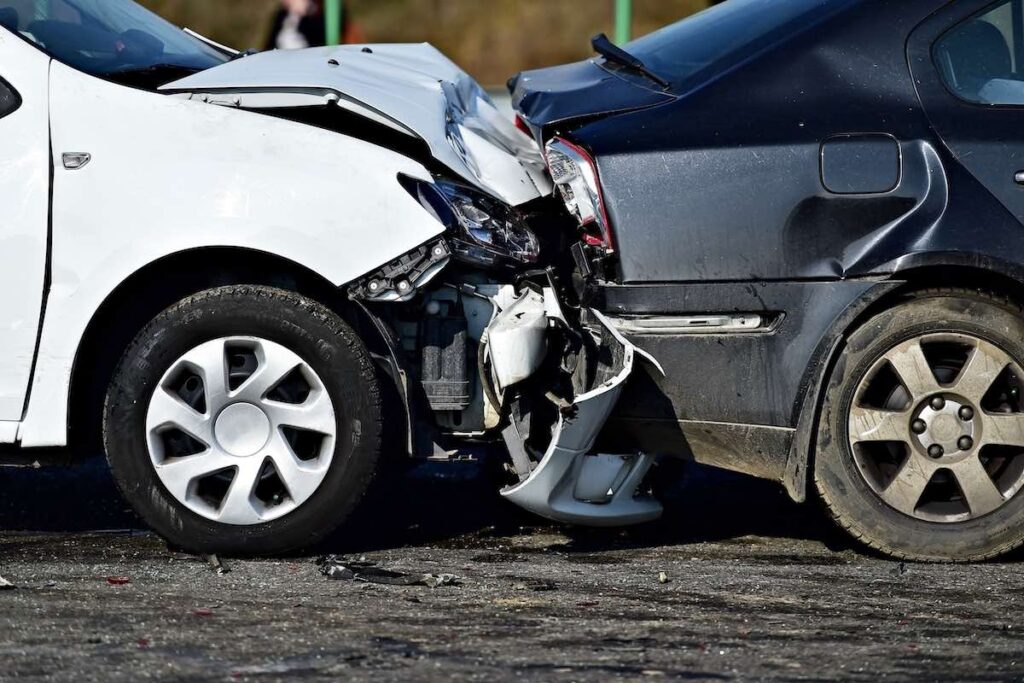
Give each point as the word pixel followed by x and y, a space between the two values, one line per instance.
pixel 497 350
pixel 481 329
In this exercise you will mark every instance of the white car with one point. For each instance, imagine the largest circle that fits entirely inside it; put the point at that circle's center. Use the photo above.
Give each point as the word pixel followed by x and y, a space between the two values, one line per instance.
pixel 263 274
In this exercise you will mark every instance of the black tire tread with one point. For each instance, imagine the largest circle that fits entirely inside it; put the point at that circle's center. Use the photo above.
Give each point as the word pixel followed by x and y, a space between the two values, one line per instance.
pixel 281 297
pixel 851 527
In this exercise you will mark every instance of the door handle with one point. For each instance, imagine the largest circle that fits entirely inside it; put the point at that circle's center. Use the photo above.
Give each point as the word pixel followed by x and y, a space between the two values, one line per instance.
pixel 1019 178
pixel 75 160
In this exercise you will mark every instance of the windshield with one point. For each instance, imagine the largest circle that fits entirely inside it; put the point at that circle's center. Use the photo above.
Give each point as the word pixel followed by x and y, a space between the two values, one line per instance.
pixel 108 38
pixel 713 41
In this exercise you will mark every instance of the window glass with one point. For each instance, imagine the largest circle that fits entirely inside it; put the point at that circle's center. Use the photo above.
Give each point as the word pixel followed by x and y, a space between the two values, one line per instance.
pixel 108 37
pixel 982 59
pixel 9 99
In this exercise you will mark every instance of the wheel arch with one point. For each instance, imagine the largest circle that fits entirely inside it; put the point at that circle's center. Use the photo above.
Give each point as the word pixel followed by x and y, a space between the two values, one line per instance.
pixel 993 277
pixel 159 284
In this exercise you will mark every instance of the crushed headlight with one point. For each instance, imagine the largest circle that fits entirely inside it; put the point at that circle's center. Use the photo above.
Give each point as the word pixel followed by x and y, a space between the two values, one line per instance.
pixel 483 231
pixel 574 174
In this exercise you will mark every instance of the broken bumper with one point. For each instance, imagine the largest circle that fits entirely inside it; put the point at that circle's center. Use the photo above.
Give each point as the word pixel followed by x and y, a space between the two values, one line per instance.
pixel 572 485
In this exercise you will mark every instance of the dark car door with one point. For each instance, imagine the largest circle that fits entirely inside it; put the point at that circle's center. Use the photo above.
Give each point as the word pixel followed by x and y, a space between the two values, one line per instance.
pixel 969 63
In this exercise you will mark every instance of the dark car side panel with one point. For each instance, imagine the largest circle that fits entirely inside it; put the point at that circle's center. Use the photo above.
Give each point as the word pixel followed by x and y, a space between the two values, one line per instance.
pixel 726 183
pixel 751 377
pixel 736 400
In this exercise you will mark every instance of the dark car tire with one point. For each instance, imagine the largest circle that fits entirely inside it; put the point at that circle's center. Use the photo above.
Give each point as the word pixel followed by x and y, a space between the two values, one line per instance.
pixel 839 479
pixel 328 347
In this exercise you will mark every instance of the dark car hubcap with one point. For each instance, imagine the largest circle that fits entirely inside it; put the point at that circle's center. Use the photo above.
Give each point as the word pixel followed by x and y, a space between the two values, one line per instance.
pixel 936 427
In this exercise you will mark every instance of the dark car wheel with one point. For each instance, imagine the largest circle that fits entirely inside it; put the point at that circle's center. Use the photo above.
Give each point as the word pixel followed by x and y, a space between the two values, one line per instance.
pixel 244 420
pixel 921 439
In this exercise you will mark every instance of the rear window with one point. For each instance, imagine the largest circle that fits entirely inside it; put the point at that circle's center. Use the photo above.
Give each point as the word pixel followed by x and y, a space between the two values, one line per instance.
pixel 725 35
pixel 9 99
pixel 982 59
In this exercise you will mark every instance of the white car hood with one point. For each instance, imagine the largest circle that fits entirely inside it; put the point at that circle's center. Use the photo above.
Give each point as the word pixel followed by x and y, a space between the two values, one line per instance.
pixel 413 88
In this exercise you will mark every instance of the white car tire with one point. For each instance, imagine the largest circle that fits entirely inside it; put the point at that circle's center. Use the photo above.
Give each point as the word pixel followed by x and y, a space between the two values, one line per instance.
pixel 244 420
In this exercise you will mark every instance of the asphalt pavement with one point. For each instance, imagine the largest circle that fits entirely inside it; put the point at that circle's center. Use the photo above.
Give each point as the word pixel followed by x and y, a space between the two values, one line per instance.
pixel 736 583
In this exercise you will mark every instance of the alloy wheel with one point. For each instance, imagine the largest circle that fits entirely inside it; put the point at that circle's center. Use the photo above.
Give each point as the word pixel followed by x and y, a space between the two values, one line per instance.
pixel 241 430
pixel 937 428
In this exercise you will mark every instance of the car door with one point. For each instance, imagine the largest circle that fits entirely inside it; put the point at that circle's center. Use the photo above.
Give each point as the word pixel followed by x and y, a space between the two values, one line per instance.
pixel 24 214
pixel 968 61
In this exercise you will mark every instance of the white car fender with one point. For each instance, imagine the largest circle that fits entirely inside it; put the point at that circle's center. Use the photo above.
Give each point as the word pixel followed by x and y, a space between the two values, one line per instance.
pixel 168 175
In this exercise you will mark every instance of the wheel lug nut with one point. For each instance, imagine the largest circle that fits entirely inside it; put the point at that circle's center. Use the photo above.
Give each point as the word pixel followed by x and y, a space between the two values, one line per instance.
pixel 936 451
pixel 965 443
pixel 966 413
pixel 938 403
pixel 919 426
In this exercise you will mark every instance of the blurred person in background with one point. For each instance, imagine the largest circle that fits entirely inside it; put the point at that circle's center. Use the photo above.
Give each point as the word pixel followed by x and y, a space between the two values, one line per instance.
pixel 300 24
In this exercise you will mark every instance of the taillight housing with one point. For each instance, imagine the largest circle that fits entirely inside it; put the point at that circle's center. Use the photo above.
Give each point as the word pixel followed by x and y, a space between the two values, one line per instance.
pixel 523 126
pixel 574 174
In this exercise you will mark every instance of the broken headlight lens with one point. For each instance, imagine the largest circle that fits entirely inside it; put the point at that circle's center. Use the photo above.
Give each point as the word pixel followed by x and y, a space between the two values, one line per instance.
pixel 483 230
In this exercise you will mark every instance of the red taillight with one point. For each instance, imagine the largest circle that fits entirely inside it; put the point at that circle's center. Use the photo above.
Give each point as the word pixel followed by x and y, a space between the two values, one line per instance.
pixel 593 183
pixel 521 125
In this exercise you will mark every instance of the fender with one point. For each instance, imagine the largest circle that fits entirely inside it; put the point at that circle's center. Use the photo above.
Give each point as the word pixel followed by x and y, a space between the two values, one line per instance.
pixel 169 175
pixel 912 271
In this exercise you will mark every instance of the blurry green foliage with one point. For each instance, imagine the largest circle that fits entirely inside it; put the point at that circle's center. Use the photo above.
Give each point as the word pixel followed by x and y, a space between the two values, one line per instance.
pixel 492 39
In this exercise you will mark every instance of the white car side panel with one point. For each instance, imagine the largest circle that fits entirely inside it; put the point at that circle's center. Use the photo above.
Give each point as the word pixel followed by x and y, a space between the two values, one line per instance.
pixel 24 213
pixel 169 175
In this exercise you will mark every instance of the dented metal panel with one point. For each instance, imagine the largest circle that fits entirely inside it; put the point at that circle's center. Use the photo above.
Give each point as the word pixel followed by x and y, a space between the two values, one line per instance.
pixel 410 87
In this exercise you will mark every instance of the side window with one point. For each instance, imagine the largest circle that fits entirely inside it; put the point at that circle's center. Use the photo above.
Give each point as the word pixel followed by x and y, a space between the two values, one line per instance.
pixel 982 59
pixel 9 99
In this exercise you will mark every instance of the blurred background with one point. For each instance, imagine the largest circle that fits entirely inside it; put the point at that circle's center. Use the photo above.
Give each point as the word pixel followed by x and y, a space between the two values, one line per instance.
pixel 491 39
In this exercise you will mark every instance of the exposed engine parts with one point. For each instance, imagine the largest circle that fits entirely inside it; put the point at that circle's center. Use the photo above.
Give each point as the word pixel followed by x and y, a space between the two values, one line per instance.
pixel 399 280
pixel 505 356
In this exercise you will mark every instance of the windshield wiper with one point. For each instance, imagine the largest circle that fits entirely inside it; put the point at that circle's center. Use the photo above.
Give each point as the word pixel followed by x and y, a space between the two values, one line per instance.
pixel 613 53
pixel 151 69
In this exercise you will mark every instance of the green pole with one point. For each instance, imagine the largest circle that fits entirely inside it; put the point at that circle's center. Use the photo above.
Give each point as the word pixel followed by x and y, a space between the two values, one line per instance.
pixel 623 21
pixel 333 16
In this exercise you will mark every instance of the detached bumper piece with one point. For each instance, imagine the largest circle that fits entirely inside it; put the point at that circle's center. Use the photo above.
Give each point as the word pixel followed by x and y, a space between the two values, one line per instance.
pixel 566 482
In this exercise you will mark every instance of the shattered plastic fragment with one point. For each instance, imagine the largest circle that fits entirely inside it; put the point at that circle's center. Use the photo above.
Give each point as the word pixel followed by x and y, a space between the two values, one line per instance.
pixel 339 569
pixel 538 585
pixel 118 580
pixel 6 585
pixel 217 565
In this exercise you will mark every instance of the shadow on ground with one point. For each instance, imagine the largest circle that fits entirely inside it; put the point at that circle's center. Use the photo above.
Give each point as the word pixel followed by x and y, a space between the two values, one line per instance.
pixel 435 503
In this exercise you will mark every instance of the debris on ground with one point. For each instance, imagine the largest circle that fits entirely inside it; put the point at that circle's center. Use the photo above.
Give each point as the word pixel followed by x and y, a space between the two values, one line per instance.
pixel 341 569
pixel 217 565
pixel 538 585
pixel 6 585
pixel 663 578
pixel 119 580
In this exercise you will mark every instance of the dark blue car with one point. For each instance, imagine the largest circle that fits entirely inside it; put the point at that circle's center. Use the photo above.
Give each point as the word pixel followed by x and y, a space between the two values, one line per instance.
pixel 810 211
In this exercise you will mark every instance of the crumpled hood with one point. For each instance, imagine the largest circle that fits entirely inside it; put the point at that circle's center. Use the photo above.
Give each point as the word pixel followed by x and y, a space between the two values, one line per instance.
pixel 413 88
pixel 562 93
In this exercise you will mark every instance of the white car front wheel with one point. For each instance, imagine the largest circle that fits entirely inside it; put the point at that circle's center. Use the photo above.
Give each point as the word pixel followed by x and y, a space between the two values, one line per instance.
pixel 241 430
pixel 244 420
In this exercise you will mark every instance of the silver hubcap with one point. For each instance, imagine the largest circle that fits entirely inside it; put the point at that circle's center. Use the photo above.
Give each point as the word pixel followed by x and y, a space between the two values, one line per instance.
pixel 936 428
pixel 241 430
